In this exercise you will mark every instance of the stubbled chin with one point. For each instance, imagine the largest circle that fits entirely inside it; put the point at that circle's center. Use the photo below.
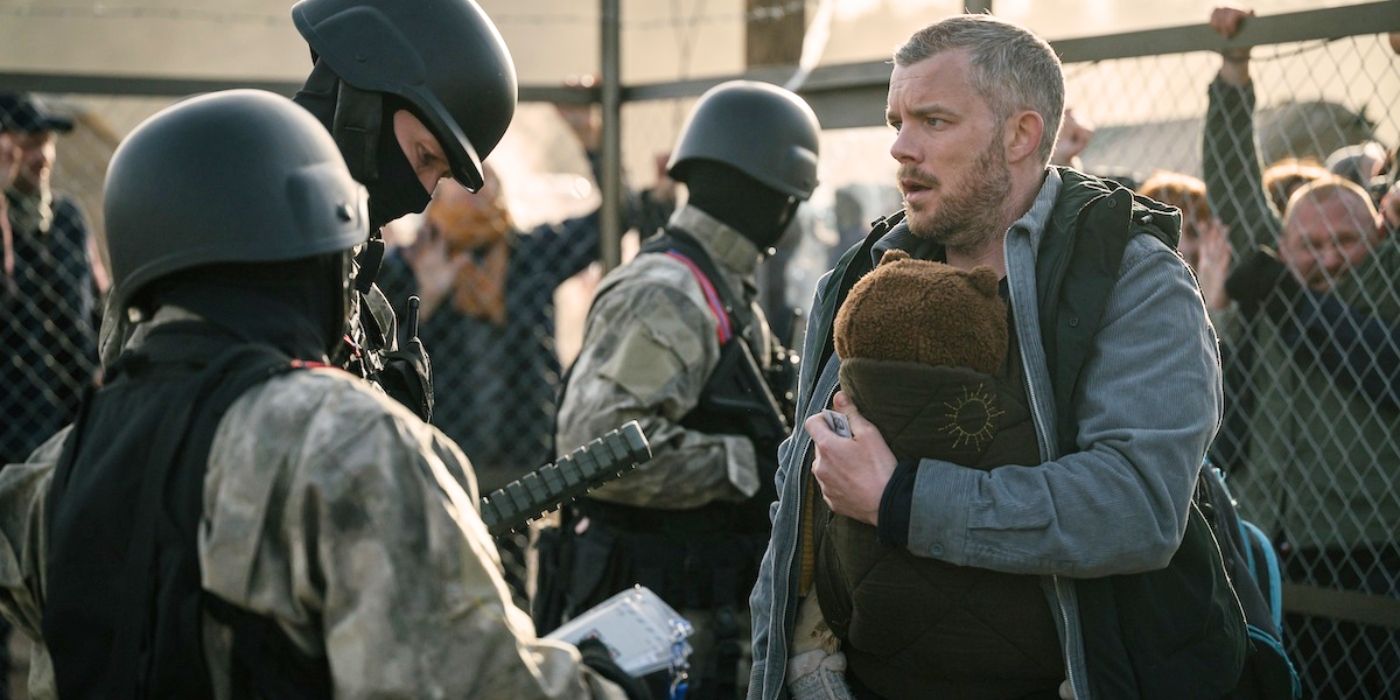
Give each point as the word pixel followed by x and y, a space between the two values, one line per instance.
pixel 918 220
pixel 919 207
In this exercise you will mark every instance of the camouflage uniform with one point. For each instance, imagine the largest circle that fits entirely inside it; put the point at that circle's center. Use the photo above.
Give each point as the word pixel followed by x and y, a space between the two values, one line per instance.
pixel 649 348
pixel 336 512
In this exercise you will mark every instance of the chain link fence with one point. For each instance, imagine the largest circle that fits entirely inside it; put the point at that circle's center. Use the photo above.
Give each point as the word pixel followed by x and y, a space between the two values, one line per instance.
pixel 1310 442
pixel 504 284
pixel 1311 438
pixel 1309 330
pixel 50 287
pixel 49 292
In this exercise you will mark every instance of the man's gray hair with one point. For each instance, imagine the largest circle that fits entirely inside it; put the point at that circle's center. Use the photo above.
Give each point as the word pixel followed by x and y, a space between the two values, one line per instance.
pixel 1012 68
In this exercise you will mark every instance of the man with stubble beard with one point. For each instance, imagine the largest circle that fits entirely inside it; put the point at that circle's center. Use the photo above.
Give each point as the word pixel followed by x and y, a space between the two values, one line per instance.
pixel 1116 360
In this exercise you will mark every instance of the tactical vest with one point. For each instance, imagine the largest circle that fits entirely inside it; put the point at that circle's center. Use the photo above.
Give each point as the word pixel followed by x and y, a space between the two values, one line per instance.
pixel 736 400
pixel 704 558
pixel 124 608
pixel 915 627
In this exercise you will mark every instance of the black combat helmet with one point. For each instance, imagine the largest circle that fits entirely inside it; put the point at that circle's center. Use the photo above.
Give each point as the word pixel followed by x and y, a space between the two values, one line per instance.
pixel 766 132
pixel 444 57
pixel 229 177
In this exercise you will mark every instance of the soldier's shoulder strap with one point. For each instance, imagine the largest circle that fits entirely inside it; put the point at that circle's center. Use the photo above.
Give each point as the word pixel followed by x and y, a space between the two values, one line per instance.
pixel 732 317
pixel 731 320
pixel 738 384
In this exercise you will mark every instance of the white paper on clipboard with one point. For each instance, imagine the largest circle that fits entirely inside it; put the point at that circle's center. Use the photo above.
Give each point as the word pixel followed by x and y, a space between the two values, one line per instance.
pixel 638 628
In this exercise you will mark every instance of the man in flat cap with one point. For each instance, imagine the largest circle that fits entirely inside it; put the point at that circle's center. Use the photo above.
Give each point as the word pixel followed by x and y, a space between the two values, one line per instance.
pixel 46 289
pixel 46 317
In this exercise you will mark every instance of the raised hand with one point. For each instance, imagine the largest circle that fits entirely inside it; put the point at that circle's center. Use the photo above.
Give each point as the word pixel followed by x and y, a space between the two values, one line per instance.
pixel 1075 135
pixel 1213 266
pixel 1227 22
pixel 434 267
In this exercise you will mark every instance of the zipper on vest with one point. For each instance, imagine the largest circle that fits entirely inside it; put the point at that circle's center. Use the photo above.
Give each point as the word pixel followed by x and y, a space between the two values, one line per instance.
pixel 1071 633
pixel 1072 641
pixel 789 556
pixel 801 482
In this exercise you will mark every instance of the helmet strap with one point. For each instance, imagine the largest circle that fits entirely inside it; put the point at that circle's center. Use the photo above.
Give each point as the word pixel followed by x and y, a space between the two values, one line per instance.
pixel 359 118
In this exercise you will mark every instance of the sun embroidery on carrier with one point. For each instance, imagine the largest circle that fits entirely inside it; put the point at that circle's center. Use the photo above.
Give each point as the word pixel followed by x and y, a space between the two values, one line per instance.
pixel 972 418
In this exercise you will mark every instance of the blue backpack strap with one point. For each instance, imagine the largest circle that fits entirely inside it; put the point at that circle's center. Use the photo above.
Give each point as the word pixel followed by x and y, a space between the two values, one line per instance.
pixel 1271 573
pixel 1255 575
pixel 1246 536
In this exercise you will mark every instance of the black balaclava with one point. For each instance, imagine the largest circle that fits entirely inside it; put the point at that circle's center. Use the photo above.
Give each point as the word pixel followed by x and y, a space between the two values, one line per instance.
pixel 297 306
pixel 396 190
pixel 746 205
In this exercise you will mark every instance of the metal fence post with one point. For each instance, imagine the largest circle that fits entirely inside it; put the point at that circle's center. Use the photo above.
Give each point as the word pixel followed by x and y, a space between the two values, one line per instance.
pixel 611 215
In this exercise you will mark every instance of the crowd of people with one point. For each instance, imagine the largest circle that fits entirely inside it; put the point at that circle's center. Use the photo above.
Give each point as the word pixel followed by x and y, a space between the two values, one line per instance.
pixel 252 465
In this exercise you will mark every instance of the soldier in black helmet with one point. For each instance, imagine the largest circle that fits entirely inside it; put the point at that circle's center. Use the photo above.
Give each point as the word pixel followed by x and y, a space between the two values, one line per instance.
pixel 441 61
pixel 230 516
pixel 412 92
pixel 675 340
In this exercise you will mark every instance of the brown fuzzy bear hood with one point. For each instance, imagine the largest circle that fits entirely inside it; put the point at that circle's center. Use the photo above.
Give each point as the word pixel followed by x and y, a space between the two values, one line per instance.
pixel 924 312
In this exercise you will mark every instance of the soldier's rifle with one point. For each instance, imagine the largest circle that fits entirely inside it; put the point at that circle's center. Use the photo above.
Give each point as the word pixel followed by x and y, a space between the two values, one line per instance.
pixel 604 459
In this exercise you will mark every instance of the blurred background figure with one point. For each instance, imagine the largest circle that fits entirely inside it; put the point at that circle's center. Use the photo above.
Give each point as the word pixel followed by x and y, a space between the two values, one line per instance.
pixel 1361 163
pixel 488 309
pixel 47 294
pixel 1315 382
pixel 858 204
pixel 1286 175
pixel 1203 244
pixel 488 312
pixel 10 156
pixel 788 277
pixel 9 165
pixel 1075 135
pixel 46 318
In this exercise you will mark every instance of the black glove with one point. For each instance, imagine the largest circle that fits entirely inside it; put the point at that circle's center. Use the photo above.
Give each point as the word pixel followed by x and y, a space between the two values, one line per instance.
pixel 407 377
pixel 1263 280
pixel 596 657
